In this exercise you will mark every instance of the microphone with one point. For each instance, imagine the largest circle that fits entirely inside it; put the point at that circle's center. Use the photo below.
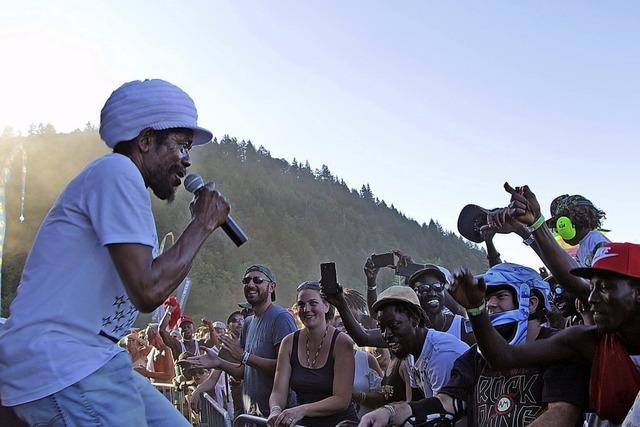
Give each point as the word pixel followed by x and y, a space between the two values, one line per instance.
pixel 194 183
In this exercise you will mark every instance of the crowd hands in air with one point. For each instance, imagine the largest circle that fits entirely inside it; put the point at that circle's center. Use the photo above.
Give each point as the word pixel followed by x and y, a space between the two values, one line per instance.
pixel 512 346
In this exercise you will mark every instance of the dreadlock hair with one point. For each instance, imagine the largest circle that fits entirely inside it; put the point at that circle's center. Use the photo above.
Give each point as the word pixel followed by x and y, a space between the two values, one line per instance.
pixel 355 300
pixel 582 212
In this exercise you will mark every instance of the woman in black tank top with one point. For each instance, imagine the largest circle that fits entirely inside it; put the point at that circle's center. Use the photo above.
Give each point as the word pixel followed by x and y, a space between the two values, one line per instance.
pixel 317 362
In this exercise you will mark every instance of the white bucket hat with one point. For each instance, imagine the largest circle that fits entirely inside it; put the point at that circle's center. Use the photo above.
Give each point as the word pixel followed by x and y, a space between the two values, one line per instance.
pixel 155 104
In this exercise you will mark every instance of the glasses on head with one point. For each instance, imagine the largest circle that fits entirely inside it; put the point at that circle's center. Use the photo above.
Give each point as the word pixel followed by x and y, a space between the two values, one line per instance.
pixel 309 284
pixel 256 280
pixel 426 287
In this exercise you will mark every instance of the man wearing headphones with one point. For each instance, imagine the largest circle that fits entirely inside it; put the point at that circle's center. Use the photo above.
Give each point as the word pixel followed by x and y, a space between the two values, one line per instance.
pixel 577 221
pixel 517 300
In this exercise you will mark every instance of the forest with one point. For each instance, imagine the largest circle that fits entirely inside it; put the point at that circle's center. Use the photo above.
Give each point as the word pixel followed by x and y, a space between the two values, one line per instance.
pixel 296 217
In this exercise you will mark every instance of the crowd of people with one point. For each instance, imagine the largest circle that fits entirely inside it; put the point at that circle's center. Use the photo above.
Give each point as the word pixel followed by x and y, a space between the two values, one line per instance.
pixel 509 347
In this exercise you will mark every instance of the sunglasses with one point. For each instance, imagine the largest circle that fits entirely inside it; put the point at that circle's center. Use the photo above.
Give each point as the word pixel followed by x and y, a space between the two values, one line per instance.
pixel 437 287
pixel 256 280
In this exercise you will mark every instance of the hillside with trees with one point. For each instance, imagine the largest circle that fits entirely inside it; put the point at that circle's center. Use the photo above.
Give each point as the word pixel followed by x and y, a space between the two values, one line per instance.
pixel 295 216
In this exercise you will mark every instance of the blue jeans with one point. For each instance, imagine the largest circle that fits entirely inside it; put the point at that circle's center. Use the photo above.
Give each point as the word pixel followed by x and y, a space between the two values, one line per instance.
pixel 114 395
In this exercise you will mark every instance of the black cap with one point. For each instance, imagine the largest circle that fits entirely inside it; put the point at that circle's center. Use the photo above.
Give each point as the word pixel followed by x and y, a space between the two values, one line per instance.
pixel 471 218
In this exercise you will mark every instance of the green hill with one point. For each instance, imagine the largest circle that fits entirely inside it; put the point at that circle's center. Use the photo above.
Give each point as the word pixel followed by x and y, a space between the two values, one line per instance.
pixel 295 217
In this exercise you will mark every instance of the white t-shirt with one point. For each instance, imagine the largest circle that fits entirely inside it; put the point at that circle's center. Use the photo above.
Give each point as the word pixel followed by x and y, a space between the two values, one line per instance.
pixel 432 370
pixel 455 328
pixel 70 291
pixel 588 246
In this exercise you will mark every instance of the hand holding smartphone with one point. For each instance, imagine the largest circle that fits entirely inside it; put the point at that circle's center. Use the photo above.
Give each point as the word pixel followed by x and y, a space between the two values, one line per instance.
pixel 328 280
pixel 383 260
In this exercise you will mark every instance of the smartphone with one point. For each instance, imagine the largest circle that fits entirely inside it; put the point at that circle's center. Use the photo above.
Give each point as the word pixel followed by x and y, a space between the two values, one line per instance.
pixel 383 260
pixel 328 281
pixel 408 270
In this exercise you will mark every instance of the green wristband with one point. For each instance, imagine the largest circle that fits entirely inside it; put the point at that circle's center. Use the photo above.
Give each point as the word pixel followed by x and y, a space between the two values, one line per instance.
pixel 537 224
pixel 473 312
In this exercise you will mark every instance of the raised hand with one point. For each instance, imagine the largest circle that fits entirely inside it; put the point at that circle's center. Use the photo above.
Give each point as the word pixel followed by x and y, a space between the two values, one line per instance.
pixel 500 221
pixel 370 271
pixel 468 291
pixel 207 360
pixel 403 259
pixel 337 299
pixel 524 205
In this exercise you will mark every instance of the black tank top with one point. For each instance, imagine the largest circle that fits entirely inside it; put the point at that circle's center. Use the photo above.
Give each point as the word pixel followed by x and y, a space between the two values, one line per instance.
pixel 394 380
pixel 313 385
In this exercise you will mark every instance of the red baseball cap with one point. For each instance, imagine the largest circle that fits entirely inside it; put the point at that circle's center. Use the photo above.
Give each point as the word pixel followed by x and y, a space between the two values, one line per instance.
pixel 185 319
pixel 618 258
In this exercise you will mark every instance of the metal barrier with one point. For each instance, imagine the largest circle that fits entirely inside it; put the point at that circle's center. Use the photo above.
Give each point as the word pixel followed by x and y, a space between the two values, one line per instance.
pixel 212 414
pixel 252 420
pixel 175 396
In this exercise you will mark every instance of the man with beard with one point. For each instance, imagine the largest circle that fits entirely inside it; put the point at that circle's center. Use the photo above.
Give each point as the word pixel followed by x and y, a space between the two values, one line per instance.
pixel 95 263
pixel 516 299
pixel 429 284
pixel 258 347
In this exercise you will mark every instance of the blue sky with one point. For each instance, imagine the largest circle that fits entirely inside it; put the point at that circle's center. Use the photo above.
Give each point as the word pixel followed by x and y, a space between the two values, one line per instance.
pixel 435 104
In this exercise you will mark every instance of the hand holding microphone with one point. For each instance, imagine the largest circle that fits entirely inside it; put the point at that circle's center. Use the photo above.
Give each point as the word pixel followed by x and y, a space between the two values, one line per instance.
pixel 194 184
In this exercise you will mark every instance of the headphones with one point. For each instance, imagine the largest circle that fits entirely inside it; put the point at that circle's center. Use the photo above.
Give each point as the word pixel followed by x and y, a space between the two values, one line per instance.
pixel 564 226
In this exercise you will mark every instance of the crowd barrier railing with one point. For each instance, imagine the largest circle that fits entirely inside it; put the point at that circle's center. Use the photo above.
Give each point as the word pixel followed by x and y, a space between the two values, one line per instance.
pixel 212 414
pixel 243 419
pixel 173 395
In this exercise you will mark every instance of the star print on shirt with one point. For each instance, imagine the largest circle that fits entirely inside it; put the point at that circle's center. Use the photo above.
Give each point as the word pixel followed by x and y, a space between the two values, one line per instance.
pixel 120 300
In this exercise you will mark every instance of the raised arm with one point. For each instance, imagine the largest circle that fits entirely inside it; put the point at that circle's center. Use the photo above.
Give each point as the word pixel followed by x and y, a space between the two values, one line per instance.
pixel 524 207
pixel 150 281
pixel 167 338
pixel 363 337
pixel 371 273
pixel 567 344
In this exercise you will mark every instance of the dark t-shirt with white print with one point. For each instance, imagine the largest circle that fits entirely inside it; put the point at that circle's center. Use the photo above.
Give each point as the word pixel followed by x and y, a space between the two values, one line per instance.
pixel 514 397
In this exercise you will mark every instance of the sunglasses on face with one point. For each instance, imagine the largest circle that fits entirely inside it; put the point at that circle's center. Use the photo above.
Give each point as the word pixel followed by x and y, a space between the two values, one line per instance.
pixel 436 287
pixel 256 280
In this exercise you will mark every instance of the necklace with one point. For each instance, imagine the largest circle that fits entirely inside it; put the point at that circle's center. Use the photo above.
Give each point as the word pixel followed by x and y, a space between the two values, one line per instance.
pixel 312 364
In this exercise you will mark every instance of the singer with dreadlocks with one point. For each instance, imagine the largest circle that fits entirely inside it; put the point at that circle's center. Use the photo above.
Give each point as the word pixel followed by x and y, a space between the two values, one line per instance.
pixel 94 264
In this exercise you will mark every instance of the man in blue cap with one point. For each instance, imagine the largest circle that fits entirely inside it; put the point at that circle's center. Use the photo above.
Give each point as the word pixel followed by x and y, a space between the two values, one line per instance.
pixel 59 362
